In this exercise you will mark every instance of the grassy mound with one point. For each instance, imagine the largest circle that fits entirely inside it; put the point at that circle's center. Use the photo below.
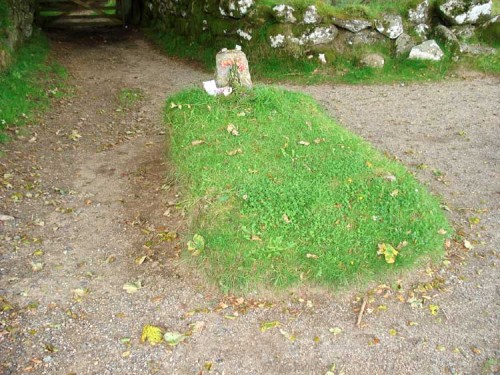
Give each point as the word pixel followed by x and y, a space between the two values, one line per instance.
pixel 284 195
pixel 28 83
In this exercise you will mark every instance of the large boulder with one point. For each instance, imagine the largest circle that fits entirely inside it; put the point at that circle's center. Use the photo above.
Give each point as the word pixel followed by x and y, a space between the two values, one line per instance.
pixel 428 50
pixel 390 25
pixel 460 12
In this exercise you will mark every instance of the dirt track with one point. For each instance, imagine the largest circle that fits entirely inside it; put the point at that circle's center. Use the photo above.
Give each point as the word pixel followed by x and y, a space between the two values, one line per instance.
pixel 93 205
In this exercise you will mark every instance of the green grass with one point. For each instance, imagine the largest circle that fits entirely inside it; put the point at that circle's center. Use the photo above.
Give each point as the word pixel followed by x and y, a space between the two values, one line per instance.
pixel 350 8
pixel 28 83
pixel 265 208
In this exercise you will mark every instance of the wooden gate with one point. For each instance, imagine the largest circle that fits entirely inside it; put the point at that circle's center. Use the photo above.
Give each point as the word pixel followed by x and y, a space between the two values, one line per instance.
pixel 58 13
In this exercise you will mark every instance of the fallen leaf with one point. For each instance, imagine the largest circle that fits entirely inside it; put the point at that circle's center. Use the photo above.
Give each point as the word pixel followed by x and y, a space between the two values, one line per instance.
pixel 132 287
pixel 74 136
pixel 440 348
pixel 235 152
pixel 254 237
pixel 231 129
pixel 394 193
pixel 442 231
pixel 197 142
pixel 393 332
pixel 174 338
pixel 286 219
pixel 319 140
pixel 38 253
pixel 196 245
pixel 412 324
pixel 468 245
pixel 304 143
pixel 434 309
pixel 152 334
pixel 265 326
pixel 140 260
pixel 389 252
pixel 312 256
pixel 126 354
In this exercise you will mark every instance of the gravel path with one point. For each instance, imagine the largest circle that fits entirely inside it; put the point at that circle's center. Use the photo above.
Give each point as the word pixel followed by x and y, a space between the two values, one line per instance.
pixel 92 213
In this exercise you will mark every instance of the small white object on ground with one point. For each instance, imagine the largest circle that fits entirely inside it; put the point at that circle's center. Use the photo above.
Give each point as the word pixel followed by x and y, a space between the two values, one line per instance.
pixel 6 217
pixel 212 89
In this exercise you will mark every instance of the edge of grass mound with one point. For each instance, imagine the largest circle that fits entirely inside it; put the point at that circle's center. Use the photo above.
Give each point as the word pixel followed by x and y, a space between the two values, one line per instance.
pixel 281 195
pixel 28 83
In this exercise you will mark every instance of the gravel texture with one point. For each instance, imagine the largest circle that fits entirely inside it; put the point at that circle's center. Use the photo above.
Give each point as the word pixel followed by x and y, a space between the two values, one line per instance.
pixel 99 203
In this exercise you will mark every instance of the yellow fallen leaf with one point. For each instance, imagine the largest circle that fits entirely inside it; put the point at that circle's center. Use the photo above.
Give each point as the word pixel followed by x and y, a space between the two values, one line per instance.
pixel 197 142
pixel 389 252
pixel 152 334
pixel 304 143
pixel 434 309
pixel 335 330
pixel 393 332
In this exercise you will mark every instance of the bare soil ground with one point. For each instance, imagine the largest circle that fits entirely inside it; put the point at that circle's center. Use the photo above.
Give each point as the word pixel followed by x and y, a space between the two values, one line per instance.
pixel 89 209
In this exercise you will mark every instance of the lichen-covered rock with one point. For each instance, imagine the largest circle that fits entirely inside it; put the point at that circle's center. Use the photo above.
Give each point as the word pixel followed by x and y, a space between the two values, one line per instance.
pixel 284 13
pixel 422 30
pixel 476 49
pixel 428 50
pixel 447 36
pixel 232 69
pixel 235 8
pixel 390 25
pixel 460 12
pixel 420 14
pixel 464 32
pixel 364 37
pixel 311 15
pixel 373 60
pixel 277 41
pixel 404 44
pixel 319 35
pixel 244 35
pixel 353 25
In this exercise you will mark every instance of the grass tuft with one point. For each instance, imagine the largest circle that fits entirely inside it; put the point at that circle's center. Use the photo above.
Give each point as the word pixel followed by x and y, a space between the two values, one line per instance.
pixel 294 198
pixel 28 84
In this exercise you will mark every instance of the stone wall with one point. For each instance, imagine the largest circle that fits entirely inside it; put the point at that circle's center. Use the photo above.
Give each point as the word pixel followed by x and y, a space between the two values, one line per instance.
pixel 16 26
pixel 315 32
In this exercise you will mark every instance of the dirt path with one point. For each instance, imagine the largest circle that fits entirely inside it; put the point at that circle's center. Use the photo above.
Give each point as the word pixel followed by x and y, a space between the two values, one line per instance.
pixel 87 210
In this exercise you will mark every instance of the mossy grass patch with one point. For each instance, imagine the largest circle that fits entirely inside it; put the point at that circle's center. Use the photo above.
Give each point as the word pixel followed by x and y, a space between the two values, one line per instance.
pixel 284 196
pixel 28 84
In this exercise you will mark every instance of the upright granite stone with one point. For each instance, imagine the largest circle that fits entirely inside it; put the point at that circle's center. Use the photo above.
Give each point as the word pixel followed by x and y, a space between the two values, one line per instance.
pixel 232 69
